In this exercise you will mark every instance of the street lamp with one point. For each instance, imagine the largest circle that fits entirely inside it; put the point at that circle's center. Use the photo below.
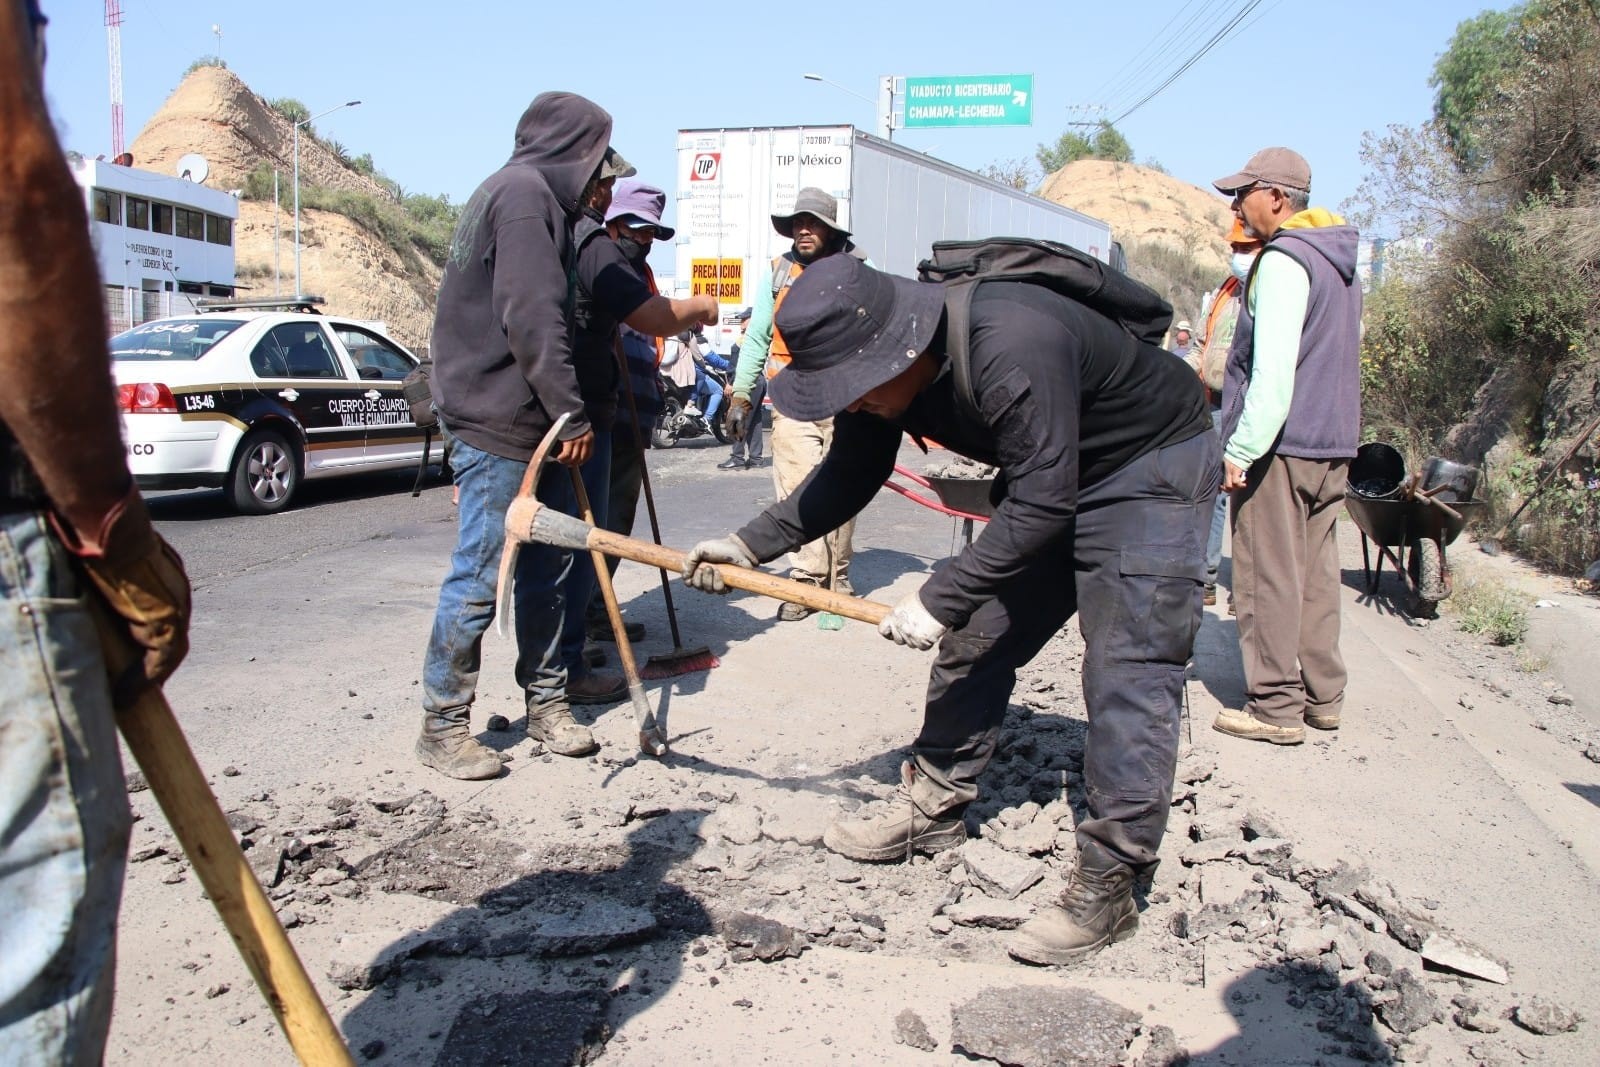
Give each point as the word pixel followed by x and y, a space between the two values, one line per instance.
pixel 305 122
pixel 884 104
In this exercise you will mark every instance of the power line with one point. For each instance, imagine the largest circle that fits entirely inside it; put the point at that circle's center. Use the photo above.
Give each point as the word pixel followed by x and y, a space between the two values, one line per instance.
pixel 1150 43
pixel 1216 39
pixel 1168 52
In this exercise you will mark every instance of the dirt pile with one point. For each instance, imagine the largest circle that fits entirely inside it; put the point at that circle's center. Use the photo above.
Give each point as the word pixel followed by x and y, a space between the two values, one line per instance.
pixel 1142 204
pixel 216 115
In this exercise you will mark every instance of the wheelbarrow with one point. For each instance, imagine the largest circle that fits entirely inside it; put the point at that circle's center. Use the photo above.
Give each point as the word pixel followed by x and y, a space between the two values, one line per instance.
pixel 1411 520
pixel 966 499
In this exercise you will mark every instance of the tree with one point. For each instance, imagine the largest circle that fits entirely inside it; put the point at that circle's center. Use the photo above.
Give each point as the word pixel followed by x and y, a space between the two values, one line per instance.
pixel 291 109
pixel 1469 76
pixel 1105 143
pixel 1017 173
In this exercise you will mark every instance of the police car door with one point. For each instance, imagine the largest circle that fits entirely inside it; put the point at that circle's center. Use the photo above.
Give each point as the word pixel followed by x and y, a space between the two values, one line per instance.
pixel 295 363
pixel 392 437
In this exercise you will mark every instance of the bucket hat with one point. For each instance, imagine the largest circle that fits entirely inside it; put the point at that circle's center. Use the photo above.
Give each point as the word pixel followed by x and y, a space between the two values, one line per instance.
pixel 849 328
pixel 1275 166
pixel 638 200
pixel 811 201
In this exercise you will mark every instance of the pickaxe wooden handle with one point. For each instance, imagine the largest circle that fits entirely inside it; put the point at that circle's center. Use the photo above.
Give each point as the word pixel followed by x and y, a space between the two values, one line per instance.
pixel 162 752
pixel 563 531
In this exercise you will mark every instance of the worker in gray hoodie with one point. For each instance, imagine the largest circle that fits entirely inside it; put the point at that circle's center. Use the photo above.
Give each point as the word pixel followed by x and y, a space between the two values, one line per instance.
pixel 503 373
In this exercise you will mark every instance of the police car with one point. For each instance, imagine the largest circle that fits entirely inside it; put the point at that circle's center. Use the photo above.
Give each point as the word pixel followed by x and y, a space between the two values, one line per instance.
pixel 253 401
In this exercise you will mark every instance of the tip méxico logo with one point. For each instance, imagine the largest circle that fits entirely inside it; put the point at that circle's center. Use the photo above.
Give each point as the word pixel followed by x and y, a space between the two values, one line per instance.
pixel 706 167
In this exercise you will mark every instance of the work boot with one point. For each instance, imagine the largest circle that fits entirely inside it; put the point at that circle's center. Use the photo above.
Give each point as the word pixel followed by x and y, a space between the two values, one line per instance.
pixel 1096 909
pixel 788 612
pixel 561 733
pixel 842 586
pixel 597 687
pixel 600 630
pixel 447 745
pixel 894 828
pixel 593 655
pixel 1211 593
pixel 1245 725
pixel 1322 720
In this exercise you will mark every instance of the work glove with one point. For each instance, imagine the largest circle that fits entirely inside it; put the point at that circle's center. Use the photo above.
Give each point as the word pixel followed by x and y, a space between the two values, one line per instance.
pixel 739 412
pixel 143 583
pixel 722 550
pixel 910 624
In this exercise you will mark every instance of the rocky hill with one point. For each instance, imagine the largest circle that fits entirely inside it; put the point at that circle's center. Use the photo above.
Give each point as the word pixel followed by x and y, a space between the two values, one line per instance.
pixel 215 114
pixel 1174 233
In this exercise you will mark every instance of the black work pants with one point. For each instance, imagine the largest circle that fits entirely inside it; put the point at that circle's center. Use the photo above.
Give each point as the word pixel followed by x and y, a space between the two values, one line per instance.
pixel 749 446
pixel 1133 570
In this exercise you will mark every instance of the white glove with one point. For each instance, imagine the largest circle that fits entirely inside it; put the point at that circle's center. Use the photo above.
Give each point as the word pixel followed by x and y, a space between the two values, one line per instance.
pixel 910 624
pixel 708 579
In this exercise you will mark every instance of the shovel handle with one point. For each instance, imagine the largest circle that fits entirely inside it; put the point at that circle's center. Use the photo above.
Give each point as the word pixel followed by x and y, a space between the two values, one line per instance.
pixel 751 581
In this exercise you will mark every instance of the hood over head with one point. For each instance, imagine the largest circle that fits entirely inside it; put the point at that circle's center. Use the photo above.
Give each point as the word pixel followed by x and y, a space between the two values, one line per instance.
pixel 564 135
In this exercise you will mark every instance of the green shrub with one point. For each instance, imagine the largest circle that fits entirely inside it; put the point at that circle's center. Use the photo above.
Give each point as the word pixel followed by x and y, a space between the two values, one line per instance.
pixel 1489 609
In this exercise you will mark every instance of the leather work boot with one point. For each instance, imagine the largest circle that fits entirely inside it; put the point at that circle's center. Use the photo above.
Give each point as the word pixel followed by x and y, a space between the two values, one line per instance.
pixel 892 829
pixel 1322 720
pixel 447 745
pixel 597 687
pixel 1096 909
pixel 788 612
pixel 1243 724
pixel 560 732
pixel 600 630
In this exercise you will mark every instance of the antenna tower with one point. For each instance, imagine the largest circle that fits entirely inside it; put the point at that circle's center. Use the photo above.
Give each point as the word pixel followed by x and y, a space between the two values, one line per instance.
pixel 114 50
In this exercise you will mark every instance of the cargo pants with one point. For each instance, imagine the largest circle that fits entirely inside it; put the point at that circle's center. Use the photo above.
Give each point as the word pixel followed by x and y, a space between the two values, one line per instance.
pixel 797 448
pixel 1133 572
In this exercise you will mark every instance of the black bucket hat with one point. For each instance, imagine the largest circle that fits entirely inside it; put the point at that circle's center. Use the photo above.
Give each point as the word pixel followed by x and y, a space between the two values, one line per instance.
pixel 849 328
pixel 811 201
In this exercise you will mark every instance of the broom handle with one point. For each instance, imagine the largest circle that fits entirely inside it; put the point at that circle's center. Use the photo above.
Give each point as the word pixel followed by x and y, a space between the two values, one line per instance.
pixel 644 475
pixel 751 581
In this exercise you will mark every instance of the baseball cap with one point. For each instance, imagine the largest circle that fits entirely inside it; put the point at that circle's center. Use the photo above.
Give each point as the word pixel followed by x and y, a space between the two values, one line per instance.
pixel 1274 166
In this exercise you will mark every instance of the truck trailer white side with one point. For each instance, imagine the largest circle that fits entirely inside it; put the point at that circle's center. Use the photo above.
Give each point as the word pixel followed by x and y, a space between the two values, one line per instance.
pixel 896 203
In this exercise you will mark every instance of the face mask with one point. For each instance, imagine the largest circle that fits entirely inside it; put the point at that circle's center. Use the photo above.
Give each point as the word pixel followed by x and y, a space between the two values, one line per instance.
pixel 1239 263
pixel 635 252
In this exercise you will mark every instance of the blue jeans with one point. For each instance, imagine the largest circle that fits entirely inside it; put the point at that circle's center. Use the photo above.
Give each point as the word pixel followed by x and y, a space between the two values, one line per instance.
pixel 1219 518
pixel 488 484
pixel 63 808
pixel 708 393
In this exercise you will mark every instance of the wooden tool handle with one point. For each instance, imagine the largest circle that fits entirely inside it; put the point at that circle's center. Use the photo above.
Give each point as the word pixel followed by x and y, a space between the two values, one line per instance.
pixel 162 752
pixel 751 581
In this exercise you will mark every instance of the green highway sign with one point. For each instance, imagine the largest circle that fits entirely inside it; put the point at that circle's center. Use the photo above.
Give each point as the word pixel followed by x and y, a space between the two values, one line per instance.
pixel 970 100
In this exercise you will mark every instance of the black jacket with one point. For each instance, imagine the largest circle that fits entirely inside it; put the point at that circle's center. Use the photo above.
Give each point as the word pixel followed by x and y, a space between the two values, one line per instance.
pixel 1067 398
pixel 501 345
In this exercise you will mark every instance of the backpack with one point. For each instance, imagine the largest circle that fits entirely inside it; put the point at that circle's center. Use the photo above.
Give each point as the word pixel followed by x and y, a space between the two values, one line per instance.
pixel 960 265
pixel 418 393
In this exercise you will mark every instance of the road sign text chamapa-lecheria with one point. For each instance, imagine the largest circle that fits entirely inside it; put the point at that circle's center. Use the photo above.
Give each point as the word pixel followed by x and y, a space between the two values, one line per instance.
pixel 969 100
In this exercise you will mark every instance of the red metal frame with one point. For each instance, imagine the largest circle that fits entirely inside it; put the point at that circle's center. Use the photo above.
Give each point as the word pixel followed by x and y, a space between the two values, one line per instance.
pixel 924 501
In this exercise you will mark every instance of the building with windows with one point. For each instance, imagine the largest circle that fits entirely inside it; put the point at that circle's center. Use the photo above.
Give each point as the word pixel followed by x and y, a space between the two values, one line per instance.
pixel 162 242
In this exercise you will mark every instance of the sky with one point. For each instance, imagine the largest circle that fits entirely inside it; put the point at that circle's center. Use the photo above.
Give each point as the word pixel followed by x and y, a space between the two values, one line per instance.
pixel 442 86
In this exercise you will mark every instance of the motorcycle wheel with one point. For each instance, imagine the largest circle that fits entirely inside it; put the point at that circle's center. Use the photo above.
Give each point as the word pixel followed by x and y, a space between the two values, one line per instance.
pixel 665 434
pixel 719 425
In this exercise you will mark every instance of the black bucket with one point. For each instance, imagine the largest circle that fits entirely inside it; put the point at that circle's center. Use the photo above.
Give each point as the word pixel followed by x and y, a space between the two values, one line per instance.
pixel 1377 471
pixel 1459 481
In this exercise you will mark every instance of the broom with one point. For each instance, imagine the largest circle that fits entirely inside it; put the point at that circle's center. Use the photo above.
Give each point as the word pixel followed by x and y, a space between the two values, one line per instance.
pixel 680 660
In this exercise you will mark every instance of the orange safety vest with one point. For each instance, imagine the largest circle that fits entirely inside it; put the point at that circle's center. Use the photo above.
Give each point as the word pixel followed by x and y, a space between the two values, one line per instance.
pixel 785 269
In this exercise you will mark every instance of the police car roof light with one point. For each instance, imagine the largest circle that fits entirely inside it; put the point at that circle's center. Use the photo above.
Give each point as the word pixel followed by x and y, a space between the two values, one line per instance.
pixel 307 304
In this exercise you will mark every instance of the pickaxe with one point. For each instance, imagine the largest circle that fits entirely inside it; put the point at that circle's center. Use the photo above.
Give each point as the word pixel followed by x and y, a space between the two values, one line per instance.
pixel 521 516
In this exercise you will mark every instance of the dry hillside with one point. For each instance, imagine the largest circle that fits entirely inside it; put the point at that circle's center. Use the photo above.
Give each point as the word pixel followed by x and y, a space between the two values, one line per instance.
pixel 1144 205
pixel 215 114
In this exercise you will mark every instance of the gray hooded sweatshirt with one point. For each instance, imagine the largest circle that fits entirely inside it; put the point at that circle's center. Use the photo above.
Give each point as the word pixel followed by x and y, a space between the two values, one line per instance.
pixel 502 350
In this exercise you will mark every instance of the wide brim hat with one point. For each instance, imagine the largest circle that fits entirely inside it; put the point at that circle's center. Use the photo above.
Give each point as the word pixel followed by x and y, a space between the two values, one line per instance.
pixel 849 329
pixel 811 201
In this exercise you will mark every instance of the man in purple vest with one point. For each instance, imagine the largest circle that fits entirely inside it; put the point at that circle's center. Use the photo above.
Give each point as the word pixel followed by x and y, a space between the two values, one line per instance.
pixel 1291 416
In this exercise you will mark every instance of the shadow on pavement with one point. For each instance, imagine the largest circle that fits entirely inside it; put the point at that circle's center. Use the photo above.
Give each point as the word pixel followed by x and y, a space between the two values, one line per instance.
pixel 538 970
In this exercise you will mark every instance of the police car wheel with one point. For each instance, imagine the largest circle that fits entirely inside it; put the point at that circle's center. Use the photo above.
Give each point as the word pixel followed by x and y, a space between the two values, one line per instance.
pixel 266 472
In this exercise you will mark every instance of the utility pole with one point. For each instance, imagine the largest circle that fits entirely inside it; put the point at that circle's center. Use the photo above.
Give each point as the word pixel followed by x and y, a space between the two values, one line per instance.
pixel 114 52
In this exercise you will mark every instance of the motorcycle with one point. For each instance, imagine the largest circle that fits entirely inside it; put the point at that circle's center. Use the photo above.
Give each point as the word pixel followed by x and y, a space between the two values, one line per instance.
pixel 677 424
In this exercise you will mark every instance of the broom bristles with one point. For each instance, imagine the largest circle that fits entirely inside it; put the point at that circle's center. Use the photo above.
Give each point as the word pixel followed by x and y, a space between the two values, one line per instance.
pixel 678 662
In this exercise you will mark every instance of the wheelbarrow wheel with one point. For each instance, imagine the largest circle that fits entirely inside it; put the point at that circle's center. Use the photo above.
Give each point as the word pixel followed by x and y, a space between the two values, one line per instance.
pixel 1427 575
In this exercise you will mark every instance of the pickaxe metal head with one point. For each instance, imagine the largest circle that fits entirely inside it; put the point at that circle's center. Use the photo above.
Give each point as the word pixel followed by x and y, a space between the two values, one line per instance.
pixel 520 516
